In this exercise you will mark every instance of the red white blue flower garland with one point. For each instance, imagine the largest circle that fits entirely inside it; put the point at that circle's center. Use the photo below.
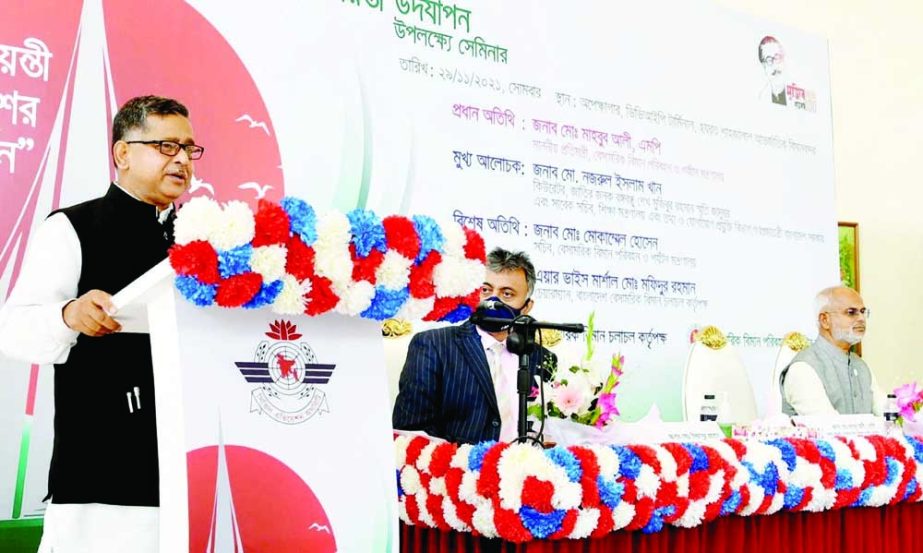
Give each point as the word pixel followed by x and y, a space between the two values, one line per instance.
pixel 520 493
pixel 287 257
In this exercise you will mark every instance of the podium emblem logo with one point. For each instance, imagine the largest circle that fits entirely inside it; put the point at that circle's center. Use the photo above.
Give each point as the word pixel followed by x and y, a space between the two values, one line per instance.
pixel 288 375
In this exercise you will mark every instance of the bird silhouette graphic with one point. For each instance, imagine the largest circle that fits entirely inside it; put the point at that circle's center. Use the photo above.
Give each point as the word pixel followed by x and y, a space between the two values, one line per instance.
pixel 253 123
pixel 259 189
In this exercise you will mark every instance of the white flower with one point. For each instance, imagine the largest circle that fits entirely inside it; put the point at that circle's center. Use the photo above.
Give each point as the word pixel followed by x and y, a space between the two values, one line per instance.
pixel 415 308
pixel 457 277
pixel 331 249
pixel 269 262
pixel 573 397
pixel 437 486
pixel 694 515
pixel 647 482
pixel 236 227
pixel 460 459
pixel 198 218
pixel 483 520
pixel 426 456
pixel 410 480
pixel 400 450
pixel 354 298
pixel 587 520
pixel 394 271
pixel 425 516
pixel 622 515
pixel 402 511
pixel 291 300
pixel 454 245
pixel 450 514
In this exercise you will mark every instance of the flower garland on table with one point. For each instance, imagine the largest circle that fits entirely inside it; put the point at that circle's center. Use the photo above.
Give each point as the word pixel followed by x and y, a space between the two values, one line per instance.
pixel 521 493
pixel 293 260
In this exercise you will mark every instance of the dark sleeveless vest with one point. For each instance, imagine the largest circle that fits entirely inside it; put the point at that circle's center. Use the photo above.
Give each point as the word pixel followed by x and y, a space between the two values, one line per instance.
pixel 105 439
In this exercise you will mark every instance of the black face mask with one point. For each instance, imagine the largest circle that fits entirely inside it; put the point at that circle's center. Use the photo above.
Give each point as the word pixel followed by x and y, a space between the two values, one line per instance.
pixel 496 310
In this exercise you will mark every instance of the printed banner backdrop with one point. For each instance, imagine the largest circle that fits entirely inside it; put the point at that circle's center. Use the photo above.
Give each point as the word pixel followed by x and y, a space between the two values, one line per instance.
pixel 287 431
pixel 666 172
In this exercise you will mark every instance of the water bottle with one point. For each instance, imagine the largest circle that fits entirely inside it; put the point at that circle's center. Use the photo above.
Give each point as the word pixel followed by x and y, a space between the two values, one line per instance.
pixel 708 412
pixel 890 412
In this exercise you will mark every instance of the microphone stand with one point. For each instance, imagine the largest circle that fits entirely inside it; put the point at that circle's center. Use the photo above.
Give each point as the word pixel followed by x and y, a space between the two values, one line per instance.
pixel 521 341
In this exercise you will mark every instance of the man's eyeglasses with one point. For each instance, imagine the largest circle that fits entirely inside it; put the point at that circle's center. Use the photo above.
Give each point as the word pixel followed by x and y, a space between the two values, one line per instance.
pixel 170 148
pixel 853 312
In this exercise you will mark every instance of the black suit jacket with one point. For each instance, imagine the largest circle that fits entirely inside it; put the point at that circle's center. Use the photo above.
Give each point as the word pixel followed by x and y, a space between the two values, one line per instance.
pixel 446 389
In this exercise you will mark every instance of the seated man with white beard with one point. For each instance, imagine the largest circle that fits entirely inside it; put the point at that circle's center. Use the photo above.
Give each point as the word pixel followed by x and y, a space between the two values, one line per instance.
pixel 827 378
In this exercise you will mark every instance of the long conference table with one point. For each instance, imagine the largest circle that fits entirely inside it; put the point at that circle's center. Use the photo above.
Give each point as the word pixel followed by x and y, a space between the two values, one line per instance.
pixel 842 494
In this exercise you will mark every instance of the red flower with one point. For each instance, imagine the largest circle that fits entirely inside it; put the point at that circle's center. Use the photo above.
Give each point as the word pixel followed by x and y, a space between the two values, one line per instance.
pixel 421 276
pixel 738 446
pixel 299 261
pixel 196 259
pixel 648 456
pixel 644 508
pixel 509 525
pixel 414 448
pixel 537 494
pixel 474 245
pixel 441 308
pixel 434 506
pixel 321 298
pixel 441 459
pixel 567 525
pixel 401 236
pixel 699 483
pixel 364 267
pixel 605 524
pixel 271 224
pixel 489 480
pixel 413 510
pixel 590 475
pixel 682 457
pixel 238 289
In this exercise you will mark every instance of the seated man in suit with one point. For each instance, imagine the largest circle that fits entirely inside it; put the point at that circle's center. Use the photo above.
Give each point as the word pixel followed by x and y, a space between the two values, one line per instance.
pixel 459 382
pixel 827 378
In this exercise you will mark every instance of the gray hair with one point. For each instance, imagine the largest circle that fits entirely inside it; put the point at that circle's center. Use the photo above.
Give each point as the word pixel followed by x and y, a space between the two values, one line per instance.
pixel 500 260
pixel 822 300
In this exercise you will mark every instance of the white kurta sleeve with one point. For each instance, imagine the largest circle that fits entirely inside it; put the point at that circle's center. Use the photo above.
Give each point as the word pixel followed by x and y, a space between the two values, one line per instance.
pixel 32 325
pixel 805 392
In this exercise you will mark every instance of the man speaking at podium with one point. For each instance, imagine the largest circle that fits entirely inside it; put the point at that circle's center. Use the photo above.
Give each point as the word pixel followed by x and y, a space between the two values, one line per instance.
pixel 459 382
pixel 103 482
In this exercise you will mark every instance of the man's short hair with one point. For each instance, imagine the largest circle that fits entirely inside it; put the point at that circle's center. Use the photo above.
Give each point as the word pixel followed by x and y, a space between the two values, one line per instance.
pixel 134 113
pixel 499 260
pixel 766 40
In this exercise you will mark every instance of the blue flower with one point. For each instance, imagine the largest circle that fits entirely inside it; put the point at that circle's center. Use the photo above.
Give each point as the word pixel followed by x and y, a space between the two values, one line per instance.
pixel 864 497
pixel 196 292
pixel 368 232
pixel 302 220
pixel 430 234
pixel 540 524
pixel 386 303
pixel 610 491
pixel 826 450
pixel 793 496
pixel 768 480
pixel 699 458
pixel 235 261
pixel 911 489
pixel 655 524
pixel 843 480
pixel 731 504
pixel 894 469
pixel 629 462
pixel 267 294
pixel 400 489
pixel 788 451
pixel 917 448
pixel 477 453
pixel 457 315
pixel 567 460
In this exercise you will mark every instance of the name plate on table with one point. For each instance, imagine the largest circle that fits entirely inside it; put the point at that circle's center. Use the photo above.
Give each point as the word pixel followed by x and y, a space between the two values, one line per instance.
pixel 843 425
pixel 568 433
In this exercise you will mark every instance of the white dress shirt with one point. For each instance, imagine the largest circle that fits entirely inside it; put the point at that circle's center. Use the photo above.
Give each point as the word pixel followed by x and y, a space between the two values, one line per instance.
pixel 32 329
pixel 503 366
